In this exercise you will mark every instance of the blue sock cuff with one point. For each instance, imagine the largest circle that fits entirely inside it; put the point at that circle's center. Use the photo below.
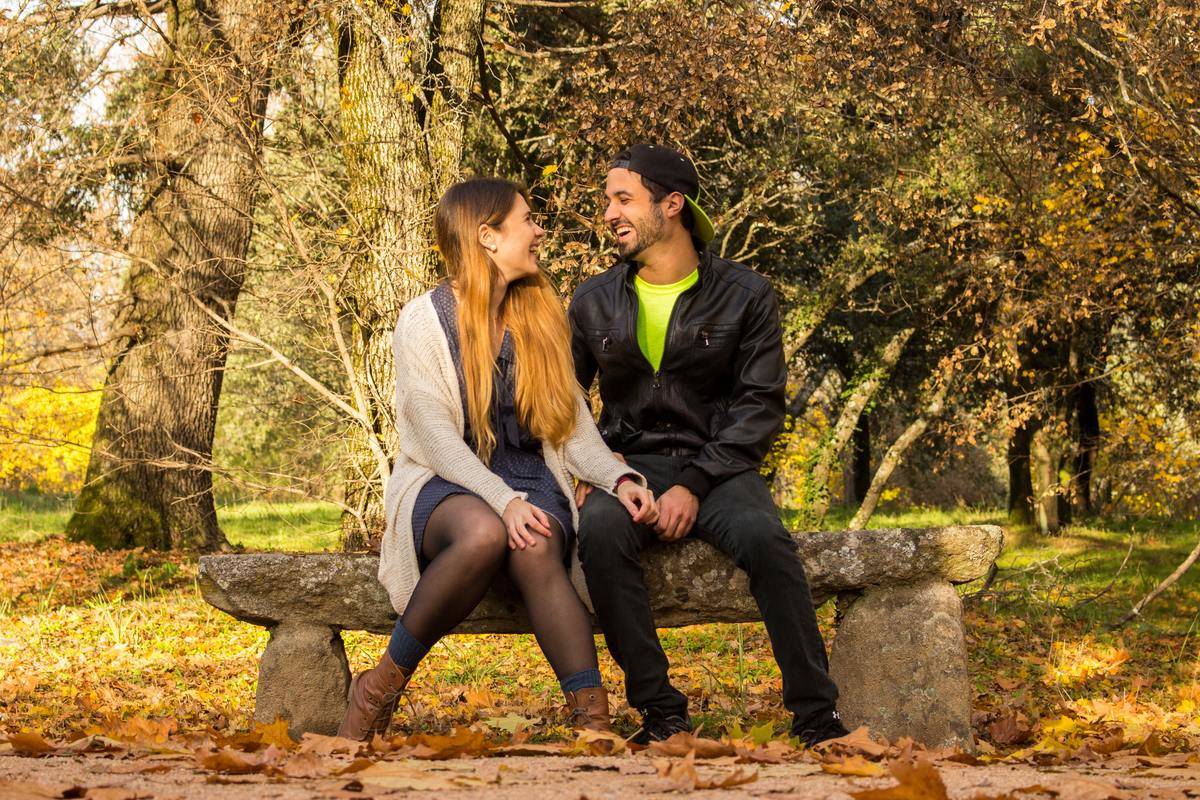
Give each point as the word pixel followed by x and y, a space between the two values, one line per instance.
pixel 585 679
pixel 404 648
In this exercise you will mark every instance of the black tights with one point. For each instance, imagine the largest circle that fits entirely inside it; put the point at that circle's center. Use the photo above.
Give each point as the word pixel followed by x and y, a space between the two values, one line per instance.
pixel 466 546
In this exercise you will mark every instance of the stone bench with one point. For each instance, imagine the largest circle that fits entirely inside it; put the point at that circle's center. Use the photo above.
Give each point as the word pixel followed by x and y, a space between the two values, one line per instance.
pixel 899 656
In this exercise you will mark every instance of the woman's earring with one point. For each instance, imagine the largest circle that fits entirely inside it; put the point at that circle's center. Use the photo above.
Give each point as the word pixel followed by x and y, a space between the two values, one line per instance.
pixel 492 247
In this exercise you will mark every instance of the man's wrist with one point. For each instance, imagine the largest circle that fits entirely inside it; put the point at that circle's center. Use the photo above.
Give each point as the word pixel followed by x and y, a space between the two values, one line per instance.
pixel 695 481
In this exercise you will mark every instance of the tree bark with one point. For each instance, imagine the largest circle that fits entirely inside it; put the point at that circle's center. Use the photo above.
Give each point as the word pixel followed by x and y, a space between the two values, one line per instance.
pixel 1020 478
pixel 863 390
pixel 861 462
pixel 1044 467
pixel 1087 420
pixel 404 79
pixel 895 455
pixel 149 481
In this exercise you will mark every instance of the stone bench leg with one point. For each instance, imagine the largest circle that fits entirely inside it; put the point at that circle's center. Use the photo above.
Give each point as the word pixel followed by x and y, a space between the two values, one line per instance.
pixel 303 677
pixel 900 662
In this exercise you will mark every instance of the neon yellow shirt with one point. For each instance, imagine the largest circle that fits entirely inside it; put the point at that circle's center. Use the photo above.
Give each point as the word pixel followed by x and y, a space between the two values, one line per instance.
pixel 655 303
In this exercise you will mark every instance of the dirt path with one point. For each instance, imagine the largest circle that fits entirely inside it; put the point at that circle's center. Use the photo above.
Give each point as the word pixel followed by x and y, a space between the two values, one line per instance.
pixel 563 778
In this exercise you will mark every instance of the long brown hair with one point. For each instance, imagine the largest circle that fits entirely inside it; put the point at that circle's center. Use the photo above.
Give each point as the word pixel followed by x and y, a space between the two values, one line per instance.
pixel 531 310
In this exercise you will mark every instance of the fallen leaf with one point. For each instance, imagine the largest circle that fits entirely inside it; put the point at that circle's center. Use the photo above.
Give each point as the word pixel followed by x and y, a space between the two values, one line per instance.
pixel 30 744
pixel 392 775
pixel 114 793
pixel 19 790
pixel 684 777
pixel 683 742
pixel 853 765
pixel 228 760
pixel 330 745
pixel 857 741
pixel 306 765
pixel 598 743
pixel 1009 730
pixel 917 780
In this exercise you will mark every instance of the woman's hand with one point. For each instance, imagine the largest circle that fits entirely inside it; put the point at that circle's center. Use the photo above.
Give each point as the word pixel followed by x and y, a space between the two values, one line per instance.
pixel 638 501
pixel 521 516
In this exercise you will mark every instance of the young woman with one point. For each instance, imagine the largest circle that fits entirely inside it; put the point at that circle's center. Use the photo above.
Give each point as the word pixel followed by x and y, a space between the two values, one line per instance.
pixel 493 425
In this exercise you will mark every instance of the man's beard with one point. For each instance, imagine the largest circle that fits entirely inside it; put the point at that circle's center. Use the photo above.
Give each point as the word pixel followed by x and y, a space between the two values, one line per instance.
pixel 648 233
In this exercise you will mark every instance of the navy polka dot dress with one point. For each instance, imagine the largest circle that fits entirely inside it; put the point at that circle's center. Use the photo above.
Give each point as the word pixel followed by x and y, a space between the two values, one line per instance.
pixel 517 457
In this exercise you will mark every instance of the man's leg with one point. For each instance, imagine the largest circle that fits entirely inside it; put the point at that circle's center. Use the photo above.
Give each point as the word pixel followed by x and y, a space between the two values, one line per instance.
pixel 610 546
pixel 739 517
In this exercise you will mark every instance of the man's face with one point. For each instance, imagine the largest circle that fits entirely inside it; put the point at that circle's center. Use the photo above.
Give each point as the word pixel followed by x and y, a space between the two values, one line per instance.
pixel 632 215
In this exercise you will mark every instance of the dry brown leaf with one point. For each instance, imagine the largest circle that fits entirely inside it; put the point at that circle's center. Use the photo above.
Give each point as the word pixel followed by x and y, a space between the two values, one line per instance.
pixel 857 741
pixel 598 743
pixel 24 790
pixel 276 734
pixel 229 761
pixel 1009 729
pixel 460 742
pixel 532 750
pixel 330 745
pixel 684 777
pixel 680 744
pixel 306 765
pixel 114 793
pixel 357 765
pixel 1076 787
pixel 773 752
pixel 917 780
pixel 392 775
pixel 854 765
pixel 30 744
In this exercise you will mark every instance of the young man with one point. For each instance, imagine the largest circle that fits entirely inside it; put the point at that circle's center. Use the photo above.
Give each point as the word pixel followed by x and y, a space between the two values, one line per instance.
pixel 690 357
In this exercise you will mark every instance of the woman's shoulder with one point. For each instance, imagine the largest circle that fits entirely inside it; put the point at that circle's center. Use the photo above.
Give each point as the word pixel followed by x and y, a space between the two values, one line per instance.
pixel 418 314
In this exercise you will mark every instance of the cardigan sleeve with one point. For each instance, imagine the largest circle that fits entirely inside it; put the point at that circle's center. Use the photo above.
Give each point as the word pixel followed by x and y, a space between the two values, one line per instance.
pixel 428 426
pixel 589 459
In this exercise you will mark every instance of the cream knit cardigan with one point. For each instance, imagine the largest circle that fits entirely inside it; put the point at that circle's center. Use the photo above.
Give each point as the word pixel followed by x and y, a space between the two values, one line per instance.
pixel 429 420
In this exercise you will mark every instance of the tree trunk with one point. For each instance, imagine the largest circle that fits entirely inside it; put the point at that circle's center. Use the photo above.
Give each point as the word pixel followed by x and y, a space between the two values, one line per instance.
pixel 895 454
pixel 1087 418
pixel 1044 469
pixel 149 481
pixel 864 389
pixel 860 465
pixel 1020 478
pixel 404 80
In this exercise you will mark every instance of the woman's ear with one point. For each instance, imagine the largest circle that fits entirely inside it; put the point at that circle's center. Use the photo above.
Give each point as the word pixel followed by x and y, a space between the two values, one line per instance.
pixel 487 237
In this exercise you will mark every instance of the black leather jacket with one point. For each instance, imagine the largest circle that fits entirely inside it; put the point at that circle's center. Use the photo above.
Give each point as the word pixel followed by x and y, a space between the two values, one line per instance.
pixel 718 396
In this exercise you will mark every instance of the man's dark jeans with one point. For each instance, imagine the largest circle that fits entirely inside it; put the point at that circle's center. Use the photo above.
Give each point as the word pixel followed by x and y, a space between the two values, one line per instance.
pixel 739 518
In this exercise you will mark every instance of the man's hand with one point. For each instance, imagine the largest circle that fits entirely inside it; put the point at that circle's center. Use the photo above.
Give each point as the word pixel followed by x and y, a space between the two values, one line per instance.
pixel 582 490
pixel 677 510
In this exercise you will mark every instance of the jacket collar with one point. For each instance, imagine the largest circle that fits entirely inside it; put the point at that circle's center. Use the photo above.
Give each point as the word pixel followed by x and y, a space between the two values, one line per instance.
pixel 705 268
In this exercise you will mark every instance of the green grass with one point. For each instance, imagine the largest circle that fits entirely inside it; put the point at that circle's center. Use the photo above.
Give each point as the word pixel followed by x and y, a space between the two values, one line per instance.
pixel 258 525
pixel 306 526
pixel 31 517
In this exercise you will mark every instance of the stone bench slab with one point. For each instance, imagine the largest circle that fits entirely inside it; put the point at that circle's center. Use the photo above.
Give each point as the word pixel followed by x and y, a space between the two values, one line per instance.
pixel 689 582
pixel 899 656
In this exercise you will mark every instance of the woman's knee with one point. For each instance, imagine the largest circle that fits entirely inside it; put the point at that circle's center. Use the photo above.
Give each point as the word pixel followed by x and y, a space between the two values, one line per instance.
pixel 542 558
pixel 482 536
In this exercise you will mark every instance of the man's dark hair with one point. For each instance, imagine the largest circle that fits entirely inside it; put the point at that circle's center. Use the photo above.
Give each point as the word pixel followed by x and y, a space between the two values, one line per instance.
pixel 658 192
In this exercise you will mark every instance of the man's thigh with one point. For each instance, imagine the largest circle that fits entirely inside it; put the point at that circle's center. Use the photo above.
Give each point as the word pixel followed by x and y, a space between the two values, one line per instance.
pixel 739 509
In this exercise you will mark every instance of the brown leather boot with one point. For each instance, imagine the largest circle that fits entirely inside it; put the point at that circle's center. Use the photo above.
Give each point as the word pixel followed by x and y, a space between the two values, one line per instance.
pixel 588 708
pixel 374 695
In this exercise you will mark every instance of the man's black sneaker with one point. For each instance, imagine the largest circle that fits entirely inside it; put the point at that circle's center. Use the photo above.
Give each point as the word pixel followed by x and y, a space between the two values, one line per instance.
pixel 819 730
pixel 656 727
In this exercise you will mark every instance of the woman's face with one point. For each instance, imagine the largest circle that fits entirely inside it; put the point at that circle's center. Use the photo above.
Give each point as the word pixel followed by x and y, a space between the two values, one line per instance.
pixel 514 243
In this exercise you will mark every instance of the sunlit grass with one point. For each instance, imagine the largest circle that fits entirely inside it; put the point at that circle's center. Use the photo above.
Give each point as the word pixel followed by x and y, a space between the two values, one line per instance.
pixel 257 525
